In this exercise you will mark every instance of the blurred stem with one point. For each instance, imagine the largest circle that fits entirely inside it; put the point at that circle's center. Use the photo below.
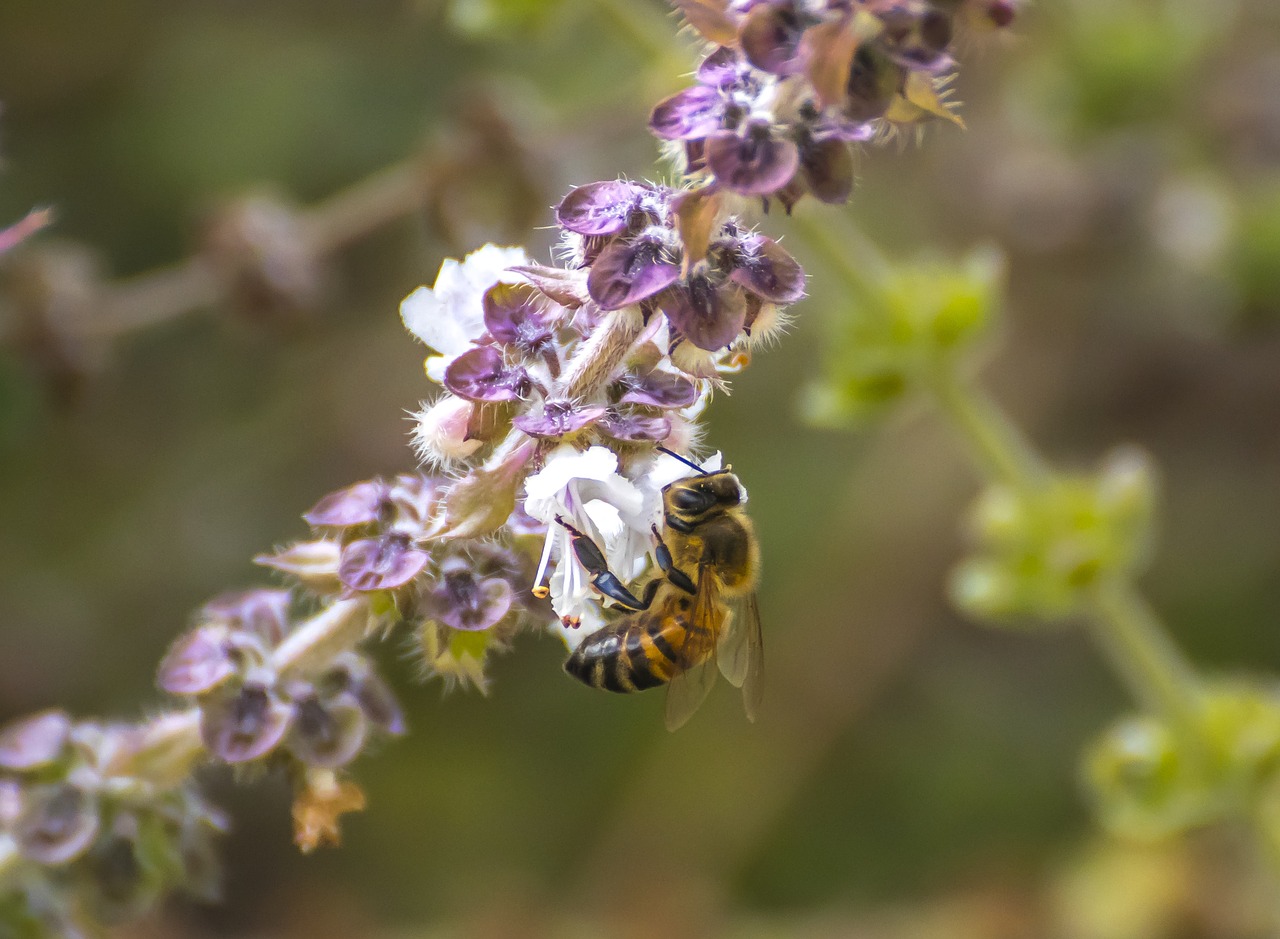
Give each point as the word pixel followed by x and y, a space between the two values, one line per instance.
pixel 995 442
pixel 1135 643
pixel 354 213
pixel 846 248
pixel 1124 627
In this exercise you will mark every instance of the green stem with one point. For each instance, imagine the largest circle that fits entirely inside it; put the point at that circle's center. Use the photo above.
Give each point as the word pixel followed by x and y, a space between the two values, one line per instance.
pixel 843 245
pixel 994 441
pixel 1123 626
pixel 1135 643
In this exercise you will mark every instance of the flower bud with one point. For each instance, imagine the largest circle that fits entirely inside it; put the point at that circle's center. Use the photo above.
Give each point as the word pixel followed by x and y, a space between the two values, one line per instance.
pixel 313 563
pixel 34 742
pixel 57 825
pixel 1142 781
pixel 198 662
pixel 244 725
pixel 441 434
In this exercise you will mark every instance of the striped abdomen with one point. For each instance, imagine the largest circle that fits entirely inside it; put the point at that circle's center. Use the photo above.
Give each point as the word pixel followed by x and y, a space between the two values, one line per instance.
pixel 639 651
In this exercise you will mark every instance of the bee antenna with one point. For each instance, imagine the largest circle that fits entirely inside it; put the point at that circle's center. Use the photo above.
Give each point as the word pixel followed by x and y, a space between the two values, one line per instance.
pixel 685 460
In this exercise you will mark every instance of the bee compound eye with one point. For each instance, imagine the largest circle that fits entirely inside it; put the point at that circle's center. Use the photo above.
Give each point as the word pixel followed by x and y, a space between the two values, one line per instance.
pixel 691 500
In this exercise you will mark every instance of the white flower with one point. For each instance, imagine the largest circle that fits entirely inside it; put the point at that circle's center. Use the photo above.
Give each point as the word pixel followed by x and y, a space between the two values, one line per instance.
pixel 449 316
pixel 618 514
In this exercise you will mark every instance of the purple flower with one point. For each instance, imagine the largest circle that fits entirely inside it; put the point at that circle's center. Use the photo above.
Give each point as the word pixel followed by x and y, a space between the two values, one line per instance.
pixel 753 161
pixel 262 611
pixel 709 315
pixel 328 734
pixel 657 388
pixel 246 725
pixel 691 114
pixel 482 374
pixel 462 598
pixel 630 426
pixel 770 36
pixel 604 208
pixel 373 695
pixel 559 419
pixel 707 277
pixel 57 825
pixel 517 315
pixel 762 266
pixel 200 661
pixel 380 563
pixel 361 504
pixel 34 742
pixel 628 272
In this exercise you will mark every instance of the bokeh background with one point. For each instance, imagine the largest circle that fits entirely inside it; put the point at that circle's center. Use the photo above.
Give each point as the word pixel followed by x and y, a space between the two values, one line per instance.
pixel 913 774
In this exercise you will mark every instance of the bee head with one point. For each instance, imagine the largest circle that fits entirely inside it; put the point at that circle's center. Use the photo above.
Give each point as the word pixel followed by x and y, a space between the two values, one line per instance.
pixel 689 502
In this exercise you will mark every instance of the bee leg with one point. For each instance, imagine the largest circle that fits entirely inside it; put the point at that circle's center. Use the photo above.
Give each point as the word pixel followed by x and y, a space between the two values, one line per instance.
pixel 674 574
pixel 603 579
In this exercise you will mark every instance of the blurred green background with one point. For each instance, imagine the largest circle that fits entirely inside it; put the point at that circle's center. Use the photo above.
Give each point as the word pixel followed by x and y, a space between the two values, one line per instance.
pixel 912 774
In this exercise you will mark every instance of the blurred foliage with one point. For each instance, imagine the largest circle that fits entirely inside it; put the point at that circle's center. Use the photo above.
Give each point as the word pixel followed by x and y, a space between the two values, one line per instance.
pixel 911 775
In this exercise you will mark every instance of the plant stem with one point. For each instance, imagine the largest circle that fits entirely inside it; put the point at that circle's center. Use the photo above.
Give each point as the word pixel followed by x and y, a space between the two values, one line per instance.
pixel 1122 624
pixel 994 441
pixel 1134 641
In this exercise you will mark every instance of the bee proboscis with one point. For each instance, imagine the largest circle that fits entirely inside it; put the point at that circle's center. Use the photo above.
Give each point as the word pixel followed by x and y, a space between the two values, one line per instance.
pixel 699 615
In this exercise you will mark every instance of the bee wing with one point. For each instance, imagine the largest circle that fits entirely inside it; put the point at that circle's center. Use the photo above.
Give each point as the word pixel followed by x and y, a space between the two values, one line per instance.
pixel 691 685
pixel 741 653
pixel 687 691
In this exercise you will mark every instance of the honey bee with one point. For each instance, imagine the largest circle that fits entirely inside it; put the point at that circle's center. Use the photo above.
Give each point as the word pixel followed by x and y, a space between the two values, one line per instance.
pixel 700 612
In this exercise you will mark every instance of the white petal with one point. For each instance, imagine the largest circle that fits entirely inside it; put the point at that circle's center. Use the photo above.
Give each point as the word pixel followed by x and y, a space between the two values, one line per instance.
pixel 606 518
pixel 450 315
pixel 433 319
pixel 544 490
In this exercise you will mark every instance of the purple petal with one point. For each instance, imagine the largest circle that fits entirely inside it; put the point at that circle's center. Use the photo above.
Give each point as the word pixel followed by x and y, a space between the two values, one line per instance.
pixel 753 163
pixel 414 499
pixel 558 419
pixel 722 67
pixel 602 208
pixel 264 612
pixel 768 271
pixel 660 390
pixel 462 601
pixel 481 374
pixel 57 825
pixel 709 317
pixel 198 662
pixel 770 38
pixel 380 563
pixel 355 505
pixel 634 427
pixel 328 735
pixel 522 523
pixel 245 726
pixel 628 273
pixel 513 315
pixel 690 114
pixel 35 741
pixel 379 703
